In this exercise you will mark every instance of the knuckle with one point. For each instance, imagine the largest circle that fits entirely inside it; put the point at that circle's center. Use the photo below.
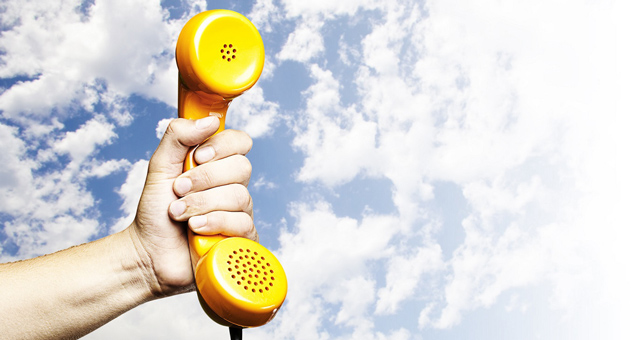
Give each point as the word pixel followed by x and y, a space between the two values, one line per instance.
pixel 206 177
pixel 248 229
pixel 242 139
pixel 242 197
pixel 247 141
pixel 244 168
pixel 245 164
pixel 196 204
pixel 173 127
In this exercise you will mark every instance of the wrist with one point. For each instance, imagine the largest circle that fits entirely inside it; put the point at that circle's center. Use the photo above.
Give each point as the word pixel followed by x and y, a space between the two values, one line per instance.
pixel 139 277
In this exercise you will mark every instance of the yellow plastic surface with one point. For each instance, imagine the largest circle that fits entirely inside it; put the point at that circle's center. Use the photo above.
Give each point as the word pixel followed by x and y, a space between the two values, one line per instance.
pixel 242 282
pixel 220 55
pixel 220 52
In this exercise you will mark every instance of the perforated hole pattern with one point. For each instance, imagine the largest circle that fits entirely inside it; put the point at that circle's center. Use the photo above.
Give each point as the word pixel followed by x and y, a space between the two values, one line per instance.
pixel 228 52
pixel 250 270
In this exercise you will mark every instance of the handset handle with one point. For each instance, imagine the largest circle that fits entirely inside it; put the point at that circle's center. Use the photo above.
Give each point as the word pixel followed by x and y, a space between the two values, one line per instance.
pixel 220 55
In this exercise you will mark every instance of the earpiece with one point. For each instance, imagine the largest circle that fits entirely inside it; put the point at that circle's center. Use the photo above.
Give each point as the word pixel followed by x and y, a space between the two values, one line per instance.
pixel 220 55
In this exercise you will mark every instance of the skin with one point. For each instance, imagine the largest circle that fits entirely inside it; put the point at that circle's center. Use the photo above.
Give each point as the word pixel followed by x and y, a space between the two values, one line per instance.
pixel 70 293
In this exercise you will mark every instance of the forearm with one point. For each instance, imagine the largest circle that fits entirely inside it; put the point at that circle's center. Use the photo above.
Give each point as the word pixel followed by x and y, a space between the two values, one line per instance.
pixel 70 293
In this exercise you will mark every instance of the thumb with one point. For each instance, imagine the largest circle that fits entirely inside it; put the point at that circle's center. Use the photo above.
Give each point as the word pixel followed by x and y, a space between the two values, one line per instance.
pixel 180 136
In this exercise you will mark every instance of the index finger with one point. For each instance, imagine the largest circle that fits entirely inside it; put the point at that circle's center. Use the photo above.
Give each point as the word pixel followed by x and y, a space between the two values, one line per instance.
pixel 223 144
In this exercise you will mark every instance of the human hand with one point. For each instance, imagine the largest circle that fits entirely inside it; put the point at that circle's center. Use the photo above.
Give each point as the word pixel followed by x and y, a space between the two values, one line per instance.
pixel 213 198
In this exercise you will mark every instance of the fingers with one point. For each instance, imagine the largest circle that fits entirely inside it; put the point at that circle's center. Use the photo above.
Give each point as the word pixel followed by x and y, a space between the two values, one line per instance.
pixel 223 210
pixel 233 169
pixel 178 138
pixel 213 196
pixel 232 197
pixel 225 223
pixel 224 144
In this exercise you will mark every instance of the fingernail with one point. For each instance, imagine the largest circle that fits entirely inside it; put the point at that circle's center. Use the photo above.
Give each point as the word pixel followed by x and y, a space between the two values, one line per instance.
pixel 177 208
pixel 182 185
pixel 205 122
pixel 205 154
pixel 197 222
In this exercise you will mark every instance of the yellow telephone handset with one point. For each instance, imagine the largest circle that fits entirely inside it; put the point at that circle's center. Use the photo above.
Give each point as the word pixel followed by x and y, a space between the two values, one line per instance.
pixel 220 55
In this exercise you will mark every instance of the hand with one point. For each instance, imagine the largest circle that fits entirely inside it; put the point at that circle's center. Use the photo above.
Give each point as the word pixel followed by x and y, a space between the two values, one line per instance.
pixel 212 197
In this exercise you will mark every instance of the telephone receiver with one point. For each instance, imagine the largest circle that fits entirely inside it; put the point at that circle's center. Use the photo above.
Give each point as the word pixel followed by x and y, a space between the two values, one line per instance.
pixel 220 55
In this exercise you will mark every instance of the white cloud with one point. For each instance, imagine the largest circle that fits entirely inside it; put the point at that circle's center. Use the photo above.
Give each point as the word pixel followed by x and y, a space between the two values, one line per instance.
pixel 252 113
pixel 130 192
pixel 72 61
pixel 485 97
pixel 510 102
pixel 355 295
pixel 81 143
pixel 305 43
pixel 163 319
pixel 332 137
pixel 263 14
pixel 262 183
pixel 125 45
pixel 404 276
pixel 327 8
pixel 162 126
pixel 319 254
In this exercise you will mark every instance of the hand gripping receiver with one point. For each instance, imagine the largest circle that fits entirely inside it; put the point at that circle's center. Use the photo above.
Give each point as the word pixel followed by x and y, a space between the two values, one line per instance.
pixel 220 55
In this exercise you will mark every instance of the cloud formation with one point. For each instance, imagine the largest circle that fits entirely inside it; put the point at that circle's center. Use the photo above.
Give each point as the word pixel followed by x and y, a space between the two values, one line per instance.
pixel 497 126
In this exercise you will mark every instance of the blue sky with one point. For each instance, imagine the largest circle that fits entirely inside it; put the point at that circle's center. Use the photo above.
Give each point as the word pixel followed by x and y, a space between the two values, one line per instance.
pixel 423 170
